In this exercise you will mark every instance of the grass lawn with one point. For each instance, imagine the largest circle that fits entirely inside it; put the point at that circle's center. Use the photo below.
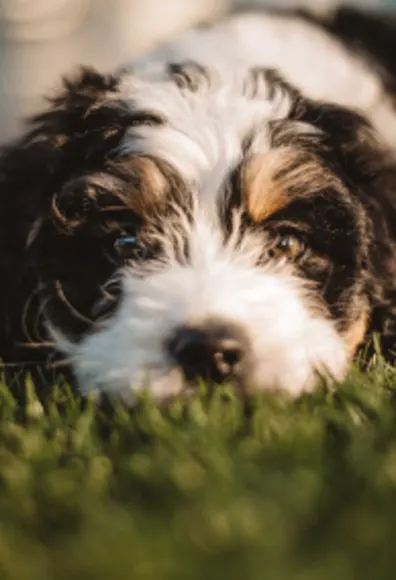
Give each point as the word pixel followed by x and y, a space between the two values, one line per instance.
pixel 201 490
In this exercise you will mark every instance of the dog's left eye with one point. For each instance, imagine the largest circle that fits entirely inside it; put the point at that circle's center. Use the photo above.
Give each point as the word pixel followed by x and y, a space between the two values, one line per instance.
pixel 129 248
pixel 288 246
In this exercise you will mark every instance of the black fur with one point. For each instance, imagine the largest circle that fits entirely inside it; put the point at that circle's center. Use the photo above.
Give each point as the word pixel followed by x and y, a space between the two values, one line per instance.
pixel 59 164
pixel 72 138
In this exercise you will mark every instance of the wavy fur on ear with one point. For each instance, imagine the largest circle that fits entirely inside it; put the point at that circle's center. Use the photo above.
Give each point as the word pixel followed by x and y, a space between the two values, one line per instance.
pixel 369 168
pixel 72 137
pixel 372 165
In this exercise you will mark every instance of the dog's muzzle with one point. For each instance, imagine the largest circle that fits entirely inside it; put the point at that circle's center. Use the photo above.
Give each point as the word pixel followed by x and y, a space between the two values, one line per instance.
pixel 215 351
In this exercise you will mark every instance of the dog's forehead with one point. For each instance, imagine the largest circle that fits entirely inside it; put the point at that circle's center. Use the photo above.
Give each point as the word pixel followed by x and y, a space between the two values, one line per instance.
pixel 209 117
pixel 212 118
pixel 197 126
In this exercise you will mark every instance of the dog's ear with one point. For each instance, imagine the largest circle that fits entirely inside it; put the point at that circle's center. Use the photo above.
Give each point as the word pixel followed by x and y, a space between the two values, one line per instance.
pixel 368 166
pixel 75 133
pixel 377 191
pixel 80 126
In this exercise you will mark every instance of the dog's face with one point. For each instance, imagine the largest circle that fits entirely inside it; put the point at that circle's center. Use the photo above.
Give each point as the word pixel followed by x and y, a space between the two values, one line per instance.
pixel 200 226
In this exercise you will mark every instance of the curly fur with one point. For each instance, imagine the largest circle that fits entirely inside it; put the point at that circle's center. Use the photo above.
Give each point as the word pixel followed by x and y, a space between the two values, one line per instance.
pixel 208 151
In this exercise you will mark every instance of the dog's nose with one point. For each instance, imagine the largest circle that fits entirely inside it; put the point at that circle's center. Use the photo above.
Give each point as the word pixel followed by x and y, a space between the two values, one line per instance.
pixel 215 352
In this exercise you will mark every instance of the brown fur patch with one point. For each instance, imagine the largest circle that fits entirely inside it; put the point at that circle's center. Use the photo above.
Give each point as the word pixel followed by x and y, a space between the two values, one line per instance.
pixel 355 334
pixel 138 184
pixel 272 180
pixel 150 184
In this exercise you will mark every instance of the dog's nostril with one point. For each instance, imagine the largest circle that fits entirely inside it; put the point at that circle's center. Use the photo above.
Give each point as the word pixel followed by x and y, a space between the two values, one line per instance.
pixel 213 352
pixel 228 354
pixel 232 352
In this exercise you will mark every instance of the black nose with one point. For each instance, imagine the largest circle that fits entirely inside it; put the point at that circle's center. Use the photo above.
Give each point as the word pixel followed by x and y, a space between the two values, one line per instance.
pixel 215 351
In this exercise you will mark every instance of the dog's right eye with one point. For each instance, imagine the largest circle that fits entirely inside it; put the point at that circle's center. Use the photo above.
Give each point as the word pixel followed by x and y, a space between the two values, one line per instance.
pixel 130 248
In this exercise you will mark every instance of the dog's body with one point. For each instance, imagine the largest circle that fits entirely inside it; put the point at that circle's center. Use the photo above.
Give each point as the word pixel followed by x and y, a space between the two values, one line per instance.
pixel 223 208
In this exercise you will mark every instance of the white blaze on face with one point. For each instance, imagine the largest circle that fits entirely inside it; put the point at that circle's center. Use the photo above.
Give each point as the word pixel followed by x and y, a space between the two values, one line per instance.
pixel 289 340
pixel 202 130
pixel 314 61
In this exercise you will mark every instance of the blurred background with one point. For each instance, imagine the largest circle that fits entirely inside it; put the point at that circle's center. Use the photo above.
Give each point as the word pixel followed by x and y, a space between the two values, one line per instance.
pixel 42 39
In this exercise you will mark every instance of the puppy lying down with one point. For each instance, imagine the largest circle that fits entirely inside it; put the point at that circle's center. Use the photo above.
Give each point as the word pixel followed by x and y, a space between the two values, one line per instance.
pixel 223 208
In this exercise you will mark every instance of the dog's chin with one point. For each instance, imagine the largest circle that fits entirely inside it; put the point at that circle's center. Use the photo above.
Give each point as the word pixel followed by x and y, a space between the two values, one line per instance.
pixel 163 386
pixel 160 385
pixel 293 371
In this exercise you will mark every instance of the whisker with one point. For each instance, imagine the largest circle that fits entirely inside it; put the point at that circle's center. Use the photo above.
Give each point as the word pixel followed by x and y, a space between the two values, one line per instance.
pixel 39 313
pixel 65 301
pixel 22 364
pixel 25 313
pixel 113 282
pixel 59 363
pixel 103 303
pixel 107 295
pixel 40 344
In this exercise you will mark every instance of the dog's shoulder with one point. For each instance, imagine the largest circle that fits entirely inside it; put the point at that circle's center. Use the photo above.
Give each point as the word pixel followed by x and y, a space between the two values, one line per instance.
pixel 371 35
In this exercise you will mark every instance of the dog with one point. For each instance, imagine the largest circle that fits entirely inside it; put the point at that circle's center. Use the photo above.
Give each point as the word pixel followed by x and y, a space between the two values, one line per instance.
pixel 222 209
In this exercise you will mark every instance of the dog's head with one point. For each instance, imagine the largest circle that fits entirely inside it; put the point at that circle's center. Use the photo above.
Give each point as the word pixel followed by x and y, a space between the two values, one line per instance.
pixel 195 224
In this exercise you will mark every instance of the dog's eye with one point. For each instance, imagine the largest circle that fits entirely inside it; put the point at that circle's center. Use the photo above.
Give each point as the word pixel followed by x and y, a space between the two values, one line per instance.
pixel 129 248
pixel 288 246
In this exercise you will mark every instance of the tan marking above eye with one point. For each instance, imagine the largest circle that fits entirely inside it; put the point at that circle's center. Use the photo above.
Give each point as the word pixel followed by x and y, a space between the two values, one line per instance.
pixel 264 195
pixel 141 185
pixel 270 181
pixel 150 178
pixel 150 181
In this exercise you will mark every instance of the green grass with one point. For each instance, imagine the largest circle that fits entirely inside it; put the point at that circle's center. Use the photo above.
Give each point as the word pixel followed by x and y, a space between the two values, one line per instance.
pixel 205 489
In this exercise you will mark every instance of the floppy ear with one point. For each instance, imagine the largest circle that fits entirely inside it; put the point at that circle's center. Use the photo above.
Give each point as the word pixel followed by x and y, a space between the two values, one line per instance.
pixel 80 126
pixel 369 168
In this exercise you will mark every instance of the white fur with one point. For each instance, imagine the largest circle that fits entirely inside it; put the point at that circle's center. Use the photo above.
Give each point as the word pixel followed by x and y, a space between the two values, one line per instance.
pixel 315 62
pixel 289 339
pixel 203 130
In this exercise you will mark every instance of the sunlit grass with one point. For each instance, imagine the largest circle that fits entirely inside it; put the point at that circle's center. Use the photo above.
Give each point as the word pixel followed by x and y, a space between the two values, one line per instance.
pixel 206 488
